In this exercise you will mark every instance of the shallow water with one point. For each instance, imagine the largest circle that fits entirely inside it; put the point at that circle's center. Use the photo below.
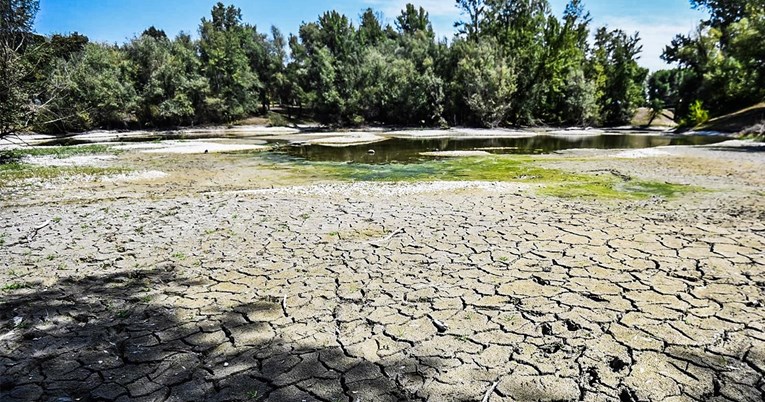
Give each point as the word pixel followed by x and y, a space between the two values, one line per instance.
pixel 409 150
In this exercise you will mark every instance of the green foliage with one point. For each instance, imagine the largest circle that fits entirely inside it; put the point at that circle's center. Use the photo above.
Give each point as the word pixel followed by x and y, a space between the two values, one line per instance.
pixel 167 80
pixel 664 88
pixel 721 61
pixel 19 54
pixel 621 80
pixel 95 89
pixel 697 115
pixel 513 63
pixel 277 120
pixel 487 82
pixel 226 47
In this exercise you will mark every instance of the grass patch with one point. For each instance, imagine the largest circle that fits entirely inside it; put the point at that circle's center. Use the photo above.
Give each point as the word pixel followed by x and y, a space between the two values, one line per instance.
pixel 56 152
pixel 8 287
pixel 15 172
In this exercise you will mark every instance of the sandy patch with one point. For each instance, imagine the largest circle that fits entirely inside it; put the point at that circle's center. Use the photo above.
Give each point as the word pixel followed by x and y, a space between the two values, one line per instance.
pixel 576 133
pixel 348 139
pixel 455 154
pixel 83 160
pixel 134 176
pixel 23 140
pixel 140 146
pixel 642 153
pixel 200 147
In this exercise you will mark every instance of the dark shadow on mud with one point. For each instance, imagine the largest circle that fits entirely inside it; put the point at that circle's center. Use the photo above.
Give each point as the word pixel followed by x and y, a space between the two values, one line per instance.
pixel 112 337
pixel 744 148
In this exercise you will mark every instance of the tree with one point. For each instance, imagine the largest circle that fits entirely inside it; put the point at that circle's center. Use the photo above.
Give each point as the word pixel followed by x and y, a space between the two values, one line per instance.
pixel 474 10
pixel 328 57
pixel 726 12
pixel 167 80
pixel 371 32
pixel 96 90
pixel 621 86
pixel 66 46
pixel 488 82
pixel 664 88
pixel 223 47
pixel 20 93
pixel 722 61
pixel 413 20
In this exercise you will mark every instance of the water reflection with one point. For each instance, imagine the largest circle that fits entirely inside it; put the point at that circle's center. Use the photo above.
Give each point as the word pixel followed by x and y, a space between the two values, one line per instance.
pixel 409 150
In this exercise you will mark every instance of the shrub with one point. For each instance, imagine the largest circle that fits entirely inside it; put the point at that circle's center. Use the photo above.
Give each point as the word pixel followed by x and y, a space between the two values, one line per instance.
pixel 696 114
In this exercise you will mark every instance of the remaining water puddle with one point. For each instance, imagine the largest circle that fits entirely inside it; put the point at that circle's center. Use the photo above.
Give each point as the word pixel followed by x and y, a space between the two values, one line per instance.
pixel 411 150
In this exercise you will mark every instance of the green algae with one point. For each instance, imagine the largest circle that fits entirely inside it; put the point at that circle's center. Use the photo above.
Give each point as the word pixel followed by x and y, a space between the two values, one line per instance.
pixel 495 168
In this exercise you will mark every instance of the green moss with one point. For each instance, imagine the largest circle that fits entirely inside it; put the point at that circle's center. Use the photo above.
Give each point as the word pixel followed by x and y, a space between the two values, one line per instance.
pixel 611 189
pixel 492 168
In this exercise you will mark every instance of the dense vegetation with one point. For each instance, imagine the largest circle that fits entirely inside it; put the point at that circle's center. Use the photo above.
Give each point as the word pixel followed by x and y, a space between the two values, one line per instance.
pixel 721 65
pixel 512 62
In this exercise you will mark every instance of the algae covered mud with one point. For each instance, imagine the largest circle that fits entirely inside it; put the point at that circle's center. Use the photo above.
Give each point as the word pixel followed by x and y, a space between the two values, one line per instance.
pixel 156 271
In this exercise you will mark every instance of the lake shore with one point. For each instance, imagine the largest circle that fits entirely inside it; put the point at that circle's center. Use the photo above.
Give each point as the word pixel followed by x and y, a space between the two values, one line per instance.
pixel 317 134
pixel 197 276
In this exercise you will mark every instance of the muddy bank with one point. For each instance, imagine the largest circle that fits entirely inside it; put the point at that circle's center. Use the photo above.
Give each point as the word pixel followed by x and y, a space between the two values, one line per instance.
pixel 238 276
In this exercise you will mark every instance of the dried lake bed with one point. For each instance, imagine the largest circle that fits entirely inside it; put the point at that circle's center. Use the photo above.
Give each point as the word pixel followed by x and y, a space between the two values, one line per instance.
pixel 263 266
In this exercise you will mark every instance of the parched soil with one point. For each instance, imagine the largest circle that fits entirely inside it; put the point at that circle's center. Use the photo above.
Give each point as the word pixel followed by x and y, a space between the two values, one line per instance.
pixel 187 288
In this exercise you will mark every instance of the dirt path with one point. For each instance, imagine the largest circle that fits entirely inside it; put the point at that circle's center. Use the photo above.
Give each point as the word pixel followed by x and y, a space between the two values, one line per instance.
pixel 346 292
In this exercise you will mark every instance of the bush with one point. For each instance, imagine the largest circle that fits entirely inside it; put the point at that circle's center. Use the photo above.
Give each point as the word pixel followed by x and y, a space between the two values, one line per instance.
pixel 277 120
pixel 696 115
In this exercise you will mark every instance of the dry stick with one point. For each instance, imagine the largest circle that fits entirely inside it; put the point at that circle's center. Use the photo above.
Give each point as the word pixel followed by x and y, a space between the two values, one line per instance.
pixel 387 238
pixel 490 391
pixel 37 229
pixel 284 306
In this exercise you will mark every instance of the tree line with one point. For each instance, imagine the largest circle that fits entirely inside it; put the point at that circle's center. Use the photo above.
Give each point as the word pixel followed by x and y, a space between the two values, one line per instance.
pixel 721 65
pixel 511 63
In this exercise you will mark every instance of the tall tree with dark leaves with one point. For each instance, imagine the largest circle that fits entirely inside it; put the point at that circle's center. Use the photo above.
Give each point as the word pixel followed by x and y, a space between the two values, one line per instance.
pixel 371 31
pixel 167 79
pixel 223 47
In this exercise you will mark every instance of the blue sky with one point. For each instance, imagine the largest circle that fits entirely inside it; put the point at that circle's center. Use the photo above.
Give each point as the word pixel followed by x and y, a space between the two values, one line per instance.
pixel 118 20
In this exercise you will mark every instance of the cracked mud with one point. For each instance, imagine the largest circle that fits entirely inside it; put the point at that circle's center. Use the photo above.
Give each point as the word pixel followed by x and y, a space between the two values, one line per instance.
pixel 341 295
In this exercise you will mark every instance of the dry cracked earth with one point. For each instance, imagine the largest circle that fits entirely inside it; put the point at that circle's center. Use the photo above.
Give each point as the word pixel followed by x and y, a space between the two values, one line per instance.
pixel 491 294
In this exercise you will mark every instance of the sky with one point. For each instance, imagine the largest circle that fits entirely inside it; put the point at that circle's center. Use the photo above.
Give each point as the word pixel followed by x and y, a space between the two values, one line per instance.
pixel 658 21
